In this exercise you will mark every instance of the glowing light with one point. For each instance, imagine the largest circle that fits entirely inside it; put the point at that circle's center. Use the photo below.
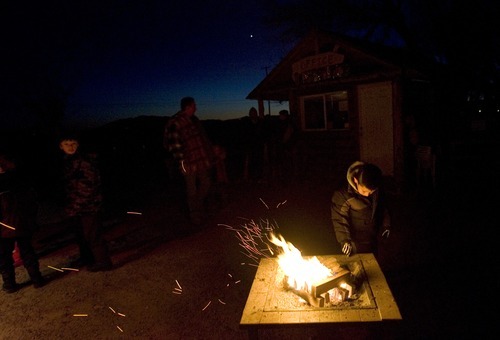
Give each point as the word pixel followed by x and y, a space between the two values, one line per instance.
pixel 72 269
pixel 302 273
pixel 59 270
pixel 7 226
pixel 252 238
pixel 347 287
pixel 208 304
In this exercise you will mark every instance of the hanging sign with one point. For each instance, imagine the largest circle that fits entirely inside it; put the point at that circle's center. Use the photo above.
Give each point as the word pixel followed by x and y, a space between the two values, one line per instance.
pixel 317 61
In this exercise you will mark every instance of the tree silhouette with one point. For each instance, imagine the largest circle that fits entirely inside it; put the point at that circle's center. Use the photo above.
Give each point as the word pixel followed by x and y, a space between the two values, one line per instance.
pixel 461 38
pixel 461 34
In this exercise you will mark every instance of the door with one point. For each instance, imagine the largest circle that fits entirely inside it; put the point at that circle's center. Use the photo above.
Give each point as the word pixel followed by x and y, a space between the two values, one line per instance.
pixel 376 125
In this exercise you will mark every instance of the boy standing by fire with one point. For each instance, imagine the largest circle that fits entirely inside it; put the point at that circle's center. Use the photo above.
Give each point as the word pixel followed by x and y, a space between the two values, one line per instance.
pixel 359 212
pixel 84 200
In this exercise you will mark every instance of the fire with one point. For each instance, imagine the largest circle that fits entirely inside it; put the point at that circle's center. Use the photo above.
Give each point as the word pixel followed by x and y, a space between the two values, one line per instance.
pixel 302 273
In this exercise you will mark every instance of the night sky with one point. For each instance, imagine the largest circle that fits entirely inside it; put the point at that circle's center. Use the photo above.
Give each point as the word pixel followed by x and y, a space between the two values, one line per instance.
pixel 89 62
pixel 119 59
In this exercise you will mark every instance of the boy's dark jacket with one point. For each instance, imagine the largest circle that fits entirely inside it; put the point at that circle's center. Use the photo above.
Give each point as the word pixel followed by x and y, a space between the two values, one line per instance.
pixel 82 185
pixel 358 218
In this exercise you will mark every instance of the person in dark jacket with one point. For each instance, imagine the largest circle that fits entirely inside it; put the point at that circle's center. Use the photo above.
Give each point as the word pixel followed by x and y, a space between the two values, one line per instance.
pixel 284 147
pixel 359 212
pixel 187 141
pixel 255 146
pixel 84 200
pixel 18 213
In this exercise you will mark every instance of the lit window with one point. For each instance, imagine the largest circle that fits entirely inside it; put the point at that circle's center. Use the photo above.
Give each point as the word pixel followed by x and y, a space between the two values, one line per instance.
pixel 329 111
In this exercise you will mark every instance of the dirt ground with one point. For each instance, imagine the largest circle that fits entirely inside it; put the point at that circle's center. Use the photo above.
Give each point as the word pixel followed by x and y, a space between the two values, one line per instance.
pixel 171 282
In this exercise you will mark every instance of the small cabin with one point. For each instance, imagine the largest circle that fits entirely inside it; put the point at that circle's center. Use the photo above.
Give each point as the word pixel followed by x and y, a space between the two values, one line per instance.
pixel 350 101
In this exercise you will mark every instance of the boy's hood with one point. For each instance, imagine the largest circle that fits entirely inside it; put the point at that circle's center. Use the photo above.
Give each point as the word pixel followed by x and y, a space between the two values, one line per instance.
pixel 352 172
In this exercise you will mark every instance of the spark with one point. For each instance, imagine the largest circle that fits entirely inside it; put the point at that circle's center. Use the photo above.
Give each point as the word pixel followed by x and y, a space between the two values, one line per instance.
pixel 121 314
pixel 264 203
pixel 121 330
pixel 178 289
pixel 112 309
pixel 253 236
pixel 134 213
pixel 73 269
pixel 222 302
pixel 80 315
pixel 7 226
pixel 208 304
pixel 59 270
pixel 253 239
pixel 281 203
pixel 237 281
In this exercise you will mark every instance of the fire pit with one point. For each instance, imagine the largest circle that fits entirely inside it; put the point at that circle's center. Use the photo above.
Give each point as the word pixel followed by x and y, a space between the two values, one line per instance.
pixel 272 302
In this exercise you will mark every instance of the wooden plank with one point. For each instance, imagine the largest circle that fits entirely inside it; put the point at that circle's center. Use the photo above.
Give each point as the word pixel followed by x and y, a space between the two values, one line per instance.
pixel 271 318
pixel 384 299
pixel 309 317
pixel 329 283
pixel 371 314
pixel 289 317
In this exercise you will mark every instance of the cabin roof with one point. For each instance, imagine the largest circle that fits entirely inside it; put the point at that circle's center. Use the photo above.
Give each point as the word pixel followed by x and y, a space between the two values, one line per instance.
pixel 365 61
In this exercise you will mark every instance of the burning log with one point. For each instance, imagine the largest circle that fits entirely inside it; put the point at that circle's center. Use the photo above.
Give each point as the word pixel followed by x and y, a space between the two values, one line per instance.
pixel 309 278
pixel 310 299
pixel 329 283
pixel 338 294
pixel 318 293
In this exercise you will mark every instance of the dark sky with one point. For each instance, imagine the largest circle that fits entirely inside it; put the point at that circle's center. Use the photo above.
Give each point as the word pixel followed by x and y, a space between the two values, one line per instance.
pixel 112 59
pixel 117 59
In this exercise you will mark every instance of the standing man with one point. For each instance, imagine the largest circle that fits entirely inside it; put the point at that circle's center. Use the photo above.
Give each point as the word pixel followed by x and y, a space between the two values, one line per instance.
pixel 286 138
pixel 188 142
pixel 254 146
pixel 359 212
pixel 84 200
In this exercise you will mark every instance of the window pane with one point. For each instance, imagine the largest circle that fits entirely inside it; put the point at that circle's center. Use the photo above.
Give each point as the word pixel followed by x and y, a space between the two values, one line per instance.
pixel 314 113
pixel 337 110
pixel 327 111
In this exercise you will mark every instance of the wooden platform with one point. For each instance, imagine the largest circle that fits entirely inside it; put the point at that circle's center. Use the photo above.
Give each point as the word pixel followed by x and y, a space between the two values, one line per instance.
pixel 265 307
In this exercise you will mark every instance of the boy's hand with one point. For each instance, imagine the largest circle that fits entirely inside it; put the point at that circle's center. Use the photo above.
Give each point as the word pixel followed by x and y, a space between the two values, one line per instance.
pixel 347 248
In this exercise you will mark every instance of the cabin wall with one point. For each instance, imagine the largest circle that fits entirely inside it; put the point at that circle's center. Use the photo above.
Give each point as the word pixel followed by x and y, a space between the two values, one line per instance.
pixel 329 153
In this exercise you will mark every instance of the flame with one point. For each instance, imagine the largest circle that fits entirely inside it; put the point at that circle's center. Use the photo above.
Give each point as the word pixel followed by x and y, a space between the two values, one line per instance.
pixel 302 273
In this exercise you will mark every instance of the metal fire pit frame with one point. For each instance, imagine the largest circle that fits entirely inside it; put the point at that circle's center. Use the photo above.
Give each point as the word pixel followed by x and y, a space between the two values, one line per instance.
pixel 254 313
